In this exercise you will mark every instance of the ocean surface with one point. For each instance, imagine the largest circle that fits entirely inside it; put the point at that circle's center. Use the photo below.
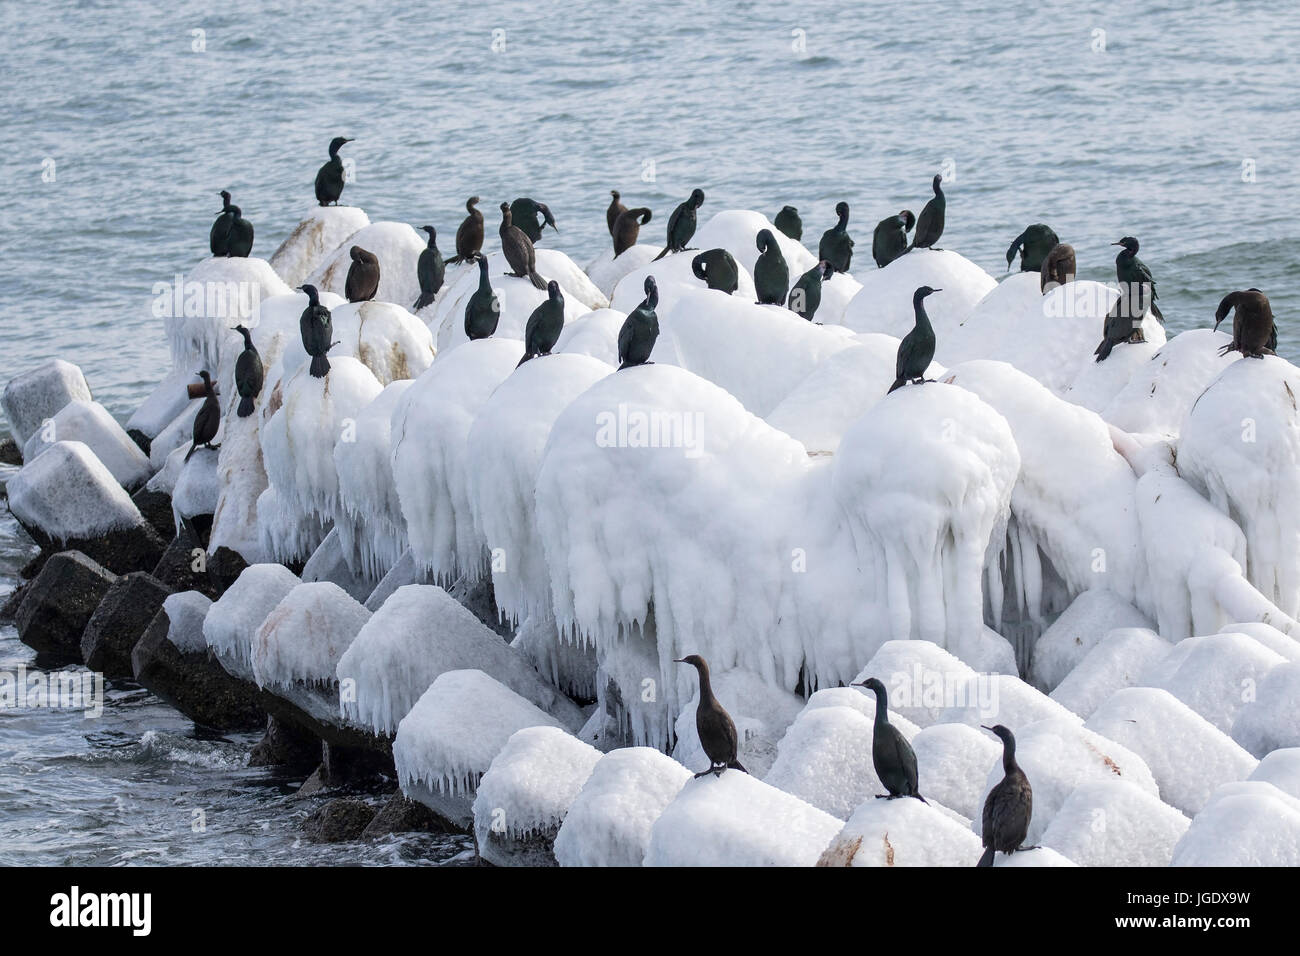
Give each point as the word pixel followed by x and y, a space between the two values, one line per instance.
pixel 1178 125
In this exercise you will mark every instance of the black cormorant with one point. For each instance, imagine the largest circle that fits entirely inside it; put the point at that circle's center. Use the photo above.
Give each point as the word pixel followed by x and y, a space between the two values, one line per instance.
pixel 889 240
pixel 208 418
pixel 317 327
pixel 806 296
pixel 524 213
pixel 788 221
pixel 1137 288
pixel 1033 245
pixel 636 339
pixel 1254 333
pixel 771 274
pixel 483 310
pixel 929 225
pixel 836 246
pixel 430 270
pixel 329 180
pixel 628 227
pixel 248 374
pixel 363 276
pixel 891 754
pixel 469 236
pixel 616 208
pixel 239 241
pixel 1009 805
pixel 716 729
pixel 717 269
pixel 218 236
pixel 916 351
pixel 681 224
pixel 544 325
pixel 1058 267
pixel 518 250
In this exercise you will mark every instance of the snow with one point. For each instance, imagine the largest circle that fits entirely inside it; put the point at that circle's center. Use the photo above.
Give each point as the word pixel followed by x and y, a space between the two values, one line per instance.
pixel 38 394
pixel 1071 637
pixel 1043 856
pixel 186 611
pixel 241 479
pixel 1114 823
pixel 921 678
pixel 760 712
pixel 398 248
pixel 737 820
pixel 67 493
pixel 303 638
pixel 885 302
pixel 1059 755
pixel 574 283
pixel 415 636
pixel 1281 768
pixel 952 761
pixel 1272 718
pixel 178 433
pixel 1214 675
pixel 278 333
pixel 1158 397
pixel 233 620
pixel 328 563
pixel 1267 635
pixel 217 294
pixel 1115 662
pixel 320 232
pixel 403 572
pixel 837 292
pixel 531 784
pixel 1003 699
pixel 1188 756
pixel 674 278
pixel 369 518
pixel 430 429
pixel 447 741
pixel 391 342
pixel 594 334
pixel 609 822
pixel 167 400
pixel 606 272
pixel 1097 384
pixel 90 423
pixel 736 230
pixel 284 532
pixel 901 832
pixel 196 488
pixel 1247 824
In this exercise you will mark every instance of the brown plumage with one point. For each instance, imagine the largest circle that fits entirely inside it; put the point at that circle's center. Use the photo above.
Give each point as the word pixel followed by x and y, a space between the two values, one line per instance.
pixel 518 250
pixel 616 209
pixel 716 729
pixel 469 237
pixel 208 418
pixel 628 227
pixel 363 276
pixel 1058 267
pixel 1253 332
pixel 1009 805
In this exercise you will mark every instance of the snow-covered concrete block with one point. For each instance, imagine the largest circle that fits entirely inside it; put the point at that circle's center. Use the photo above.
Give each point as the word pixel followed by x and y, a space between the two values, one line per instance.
pixel 39 394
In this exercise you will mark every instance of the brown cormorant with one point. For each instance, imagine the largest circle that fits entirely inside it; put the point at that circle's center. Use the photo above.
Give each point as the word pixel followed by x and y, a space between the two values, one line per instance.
pixel 329 179
pixel 524 213
pixel 716 729
pixel 916 351
pixel 518 250
pixel 636 339
pixel 1009 805
pixel 363 276
pixel 248 374
pixel 1033 245
pixel 483 310
pixel 1254 333
pixel 681 224
pixel 208 418
pixel 771 274
pixel 889 240
pixel 1058 267
pixel 628 227
pixel 430 270
pixel 316 326
pixel 836 246
pixel 717 270
pixel 806 296
pixel 544 325
pixel 616 209
pixel 929 225
pixel 891 754
pixel 469 237
pixel 788 221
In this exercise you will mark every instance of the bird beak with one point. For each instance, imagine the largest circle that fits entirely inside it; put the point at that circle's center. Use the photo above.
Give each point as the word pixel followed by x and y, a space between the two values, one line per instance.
pixel 858 684
pixel 678 661
pixel 989 729
pixel 935 290
pixel 1117 243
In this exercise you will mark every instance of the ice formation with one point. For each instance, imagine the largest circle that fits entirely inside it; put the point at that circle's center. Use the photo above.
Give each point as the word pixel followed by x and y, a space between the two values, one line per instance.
pixel 1214 675
pixel 1080 628
pixel 674 278
pixel 197 486
pixel 1158 397
pixel 241 479
pixel 606 271
pixel 186 611
pixel 31 398
pixel 398 248
pixel 67 493
pixel 760 711
pixel 90 423
pixel 320 233
pixel 1281 768
pixel 233 620
pixel 952 761
pixel 554 264
pixel 1114 823
pixel 736 230
pixel 1117 661
pixel 1271 719
pixel 885 302
pixel 594 334
pixel 901 832
pixel 304 636
pixel 212 298
pixel 1245 824
pixel 384 337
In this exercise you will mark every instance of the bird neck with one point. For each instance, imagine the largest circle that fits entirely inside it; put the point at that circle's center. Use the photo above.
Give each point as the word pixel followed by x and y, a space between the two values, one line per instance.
pixel 1009 764
pixel 882 709
pixel 843 221
pixel 706 686
pixel 922 319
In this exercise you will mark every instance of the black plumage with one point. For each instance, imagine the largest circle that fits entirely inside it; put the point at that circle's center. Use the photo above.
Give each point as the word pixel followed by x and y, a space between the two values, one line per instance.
pixel 836 246
pixel 469 235
pixel 1033 245
pixel 519 251
pixel 483 310
pixel 681 224
pixel 916 351
pixel 1137 295
pixel 716 729
pixel 806 295
pixel 430 270
pixel 788 221
pixel 239 241
pixel 218 235
pixel 1009 805
pixel 316 326
pixel 208 417
pixel 891 754
pixel 771 274
pixel 330 178
pixel 889 239
pixel 248 374
pixel 929 225
pixel 363 276
pixel 636 339
pixel 1254 332
pixel 616 208
pixel 524 213
pixel 544 325
pixel 717 269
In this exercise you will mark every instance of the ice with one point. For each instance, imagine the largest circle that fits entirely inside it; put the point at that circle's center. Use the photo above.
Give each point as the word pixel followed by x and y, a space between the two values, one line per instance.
pixel 278 331
pixel 398 248
pixel 284 532
pixel 1072 636
pixel 1269 636
pixel 1059 755
pixel 531 784
pixel 68 494
pixel 609 822
pixel 1246 824
pixel 952 761
pixel 902 832
pixel 167 400
pixel 885 302
pixel 736 230
pixel 403 572
pixel 837 292
pixel 568 665
pixel 241 480
pixel 32 397
pixel 1214 675
pixel 447 741
pixel 197 486
pixel 1281 768
pixel 90 423
pixel 674 278
pixel 594 334
pixel 217 294
pixel 1158 397
pixel 1003 699
pixel 553 264
pixel 234 619
pixel 430 427
pixel 921 678
pixel 369 520
pixel 1115 662
pixel 1114 823
pixel 737 820
pixel 1042 856
pixel 178 433
pixel 415 636
pixel 606 271
pixel 303 638
pixel 320 232
pixel 1187 755
pixel 384 337
pixel 186 611
pixel 1272 718
pixel 760 712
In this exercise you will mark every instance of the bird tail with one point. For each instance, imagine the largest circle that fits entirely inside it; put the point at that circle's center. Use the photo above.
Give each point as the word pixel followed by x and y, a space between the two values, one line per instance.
pixel 665 252
pixel 538 281
pixel 424 299
pixel 527 356
pixel 1155 310
pixel 987 858
pixel 898 383
pixel 245 406
pixel 922 799
pixel 320 365
pixel 1103 350
pixel 735 765
pixel 455 259
pixel 193 447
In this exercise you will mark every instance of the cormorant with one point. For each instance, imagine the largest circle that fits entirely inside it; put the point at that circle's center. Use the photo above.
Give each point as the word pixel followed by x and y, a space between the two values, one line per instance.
pixel 616 209
pixel 329 179
pixel 889 241
pixel 717 269
pixel 208 418
pixel 363 276
pixel 1033 245
pixel 218 237
pixel 239 241
pixel 544 325
pixel 806 296
pixel 469 237
pixel 716 729
pixel 929 226
pixel 771 274
pixel 788 221
pixel 1253 332
pixel 248 374
pixel 483 310
pixel 524 213
pixel 836 246
pixel 316 326
pixel 518 250
pixel 1009 805
pixel 681 224
pixel 1058 267
pixel 1135 281
pixel 891 754
pixel 430 270
pixel 628 227
pixel 636 339
pixel 916 351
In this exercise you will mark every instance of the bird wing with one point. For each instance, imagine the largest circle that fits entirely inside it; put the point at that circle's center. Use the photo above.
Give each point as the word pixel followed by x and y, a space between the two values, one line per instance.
pixel 624 340
pixel 716 724
pixel 674 219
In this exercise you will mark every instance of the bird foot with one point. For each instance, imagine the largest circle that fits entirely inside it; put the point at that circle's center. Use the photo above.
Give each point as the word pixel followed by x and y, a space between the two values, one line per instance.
pixel 1022 849
pixel 1137 336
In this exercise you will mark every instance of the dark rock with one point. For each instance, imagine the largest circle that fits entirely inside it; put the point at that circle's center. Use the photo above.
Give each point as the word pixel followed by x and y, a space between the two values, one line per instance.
pixel 59 603
pixel 339 821
pixel 10 607
pixel 194 683
pixel 314 784
pixel 224 566
pixel 118 623
pixel 355 765
pixel 533 849
pixel 133 549
pixel 285 745
pixel 141 439
pixel 480 600
pixel 177 567
pixel 156 506
pixel 404 815
pixel 10 453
